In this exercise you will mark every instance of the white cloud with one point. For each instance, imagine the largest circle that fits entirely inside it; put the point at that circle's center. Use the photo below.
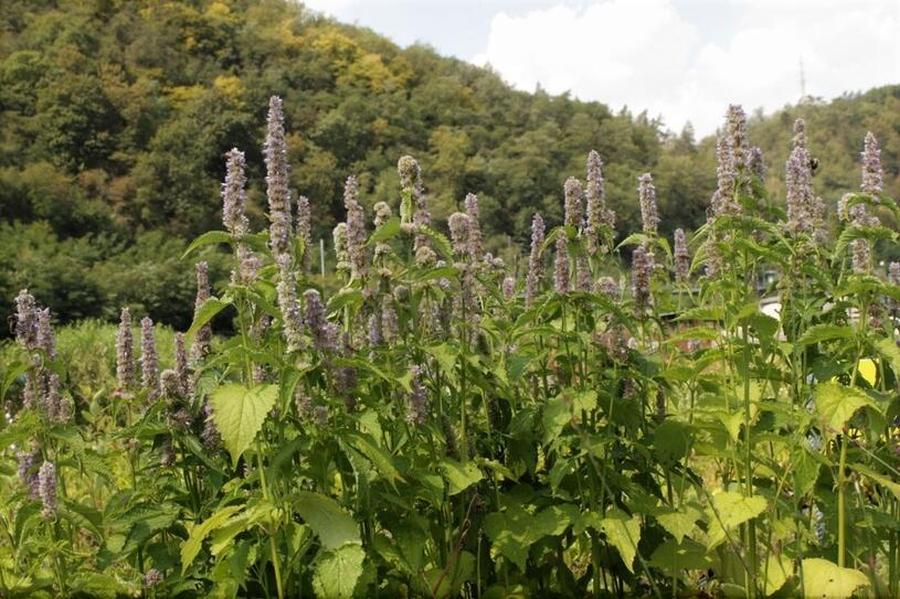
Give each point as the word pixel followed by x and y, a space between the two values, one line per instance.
pixel 646 54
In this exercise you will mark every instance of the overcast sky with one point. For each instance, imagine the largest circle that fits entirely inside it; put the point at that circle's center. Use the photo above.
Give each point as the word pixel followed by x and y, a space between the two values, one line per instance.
pixel 684 60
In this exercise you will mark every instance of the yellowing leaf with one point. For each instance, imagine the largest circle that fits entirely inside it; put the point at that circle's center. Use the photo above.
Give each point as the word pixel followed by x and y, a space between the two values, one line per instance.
pixel 835 404
pixel 239 413
pixel 192 546
pixel 822 578
pixel 868 370
pixel 730 509
pixel 778 569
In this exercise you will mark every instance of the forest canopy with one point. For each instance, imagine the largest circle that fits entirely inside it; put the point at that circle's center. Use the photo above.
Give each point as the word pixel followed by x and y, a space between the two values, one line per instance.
pixel 115 118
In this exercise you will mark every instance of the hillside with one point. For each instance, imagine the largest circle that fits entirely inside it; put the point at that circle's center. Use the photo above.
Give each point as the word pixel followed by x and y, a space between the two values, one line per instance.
pixel 116 116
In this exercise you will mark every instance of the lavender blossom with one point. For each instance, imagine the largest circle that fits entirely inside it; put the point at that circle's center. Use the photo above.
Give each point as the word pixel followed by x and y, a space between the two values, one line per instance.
pixel 45 339
pixel 248 270
pixel 168 383
pixel 535 262
pixel 414 205
pixel 682 257
pixel 609 287
pixel 641 271
pixel 210 435
pixel 894 273
pixel 509 287
pixel 418 399
pixel 152 578
pixel 304 229
pixel 149 361
pixel 573 192
pixel 872 178
pixel 53 402
pixel 356 229
pixel 582 273
pixel 374 331
pixel 316 322
pixel 713 262
pixel 339 236
pixel 203 338
pixel 756 164
pixel 561 266
pixel 475 239
pixel 647 194
pixel 292 321
pixel 47 490
pixel 598 215
pixel 277 175
pixel 234 197
pixel 861 253
pixel 459 232
pixel 29 463
pixel 723 201
pixel 736 123
pixel 182 374
pixel 125 367
pixel 798 180
pixel 390 328
pixel 26 320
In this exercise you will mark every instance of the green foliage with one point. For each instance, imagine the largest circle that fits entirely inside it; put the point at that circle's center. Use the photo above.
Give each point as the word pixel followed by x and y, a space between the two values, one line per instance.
pixel 430 432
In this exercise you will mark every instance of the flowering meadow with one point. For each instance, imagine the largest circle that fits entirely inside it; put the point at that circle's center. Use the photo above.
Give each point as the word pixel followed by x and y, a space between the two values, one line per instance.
pixel 717 419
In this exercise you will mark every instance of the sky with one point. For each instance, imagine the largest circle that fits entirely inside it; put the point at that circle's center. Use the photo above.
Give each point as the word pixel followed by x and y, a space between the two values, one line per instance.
pixel 681 60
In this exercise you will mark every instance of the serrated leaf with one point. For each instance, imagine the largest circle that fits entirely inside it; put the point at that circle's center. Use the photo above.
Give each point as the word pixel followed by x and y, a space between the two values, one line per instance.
pixel 208 238
pixel 207 312
pixel 822 578
pixel 337 571
pixel 460 476
pixel 824 332
pixel 239 413
pixel 332 524
pixel 382 461
pixel 730 509
pixel 836 404
pixel 624 533
pixel 388 229
pixel 556 415
pixel 192 545
pixel 675 557
pixel 679 523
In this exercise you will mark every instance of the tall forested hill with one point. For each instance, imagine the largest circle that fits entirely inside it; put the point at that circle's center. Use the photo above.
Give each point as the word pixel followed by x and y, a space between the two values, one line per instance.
pixel 115 116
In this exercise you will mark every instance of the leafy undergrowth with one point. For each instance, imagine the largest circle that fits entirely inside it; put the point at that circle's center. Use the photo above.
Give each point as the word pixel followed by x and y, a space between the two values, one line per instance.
pixel 446 426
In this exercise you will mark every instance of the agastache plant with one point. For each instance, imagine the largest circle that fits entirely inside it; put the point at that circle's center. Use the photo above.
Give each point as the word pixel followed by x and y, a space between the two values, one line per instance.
pixel 410 427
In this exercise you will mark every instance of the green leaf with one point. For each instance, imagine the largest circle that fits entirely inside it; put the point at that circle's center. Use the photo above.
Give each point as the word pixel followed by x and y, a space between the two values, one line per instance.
pixel 191 547
pixel 207 312
pixel 836 404
pixel 584 400
pixel 730 509
pixel 679 523
pixel 557 415
pixel 623 533
pixel 887 347
pixel 239 413
pixel 333 525
pixel 208 238
pixel 675 557
pixel 337 571
pixel 672 441
pixel 382 461
pixel 824 332
pixel 822 578
pixel 460 476
pixel 388 230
